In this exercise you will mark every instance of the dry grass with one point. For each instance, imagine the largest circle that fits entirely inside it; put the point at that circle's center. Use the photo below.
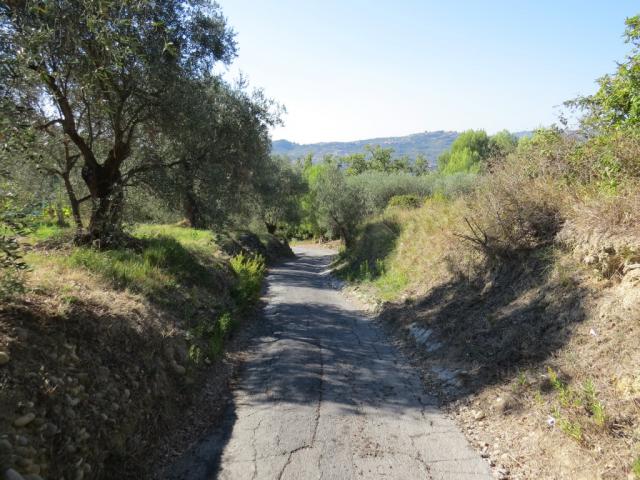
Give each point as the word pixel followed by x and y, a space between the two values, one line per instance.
pixel 408 251
pixel 532 283
pixel 112 334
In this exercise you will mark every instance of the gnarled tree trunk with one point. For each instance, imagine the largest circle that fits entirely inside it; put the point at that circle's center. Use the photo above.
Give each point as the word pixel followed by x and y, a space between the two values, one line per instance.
pixel 107 197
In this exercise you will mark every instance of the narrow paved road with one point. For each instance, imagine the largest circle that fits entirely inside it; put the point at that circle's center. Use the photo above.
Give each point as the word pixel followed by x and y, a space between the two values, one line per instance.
pixel 326 396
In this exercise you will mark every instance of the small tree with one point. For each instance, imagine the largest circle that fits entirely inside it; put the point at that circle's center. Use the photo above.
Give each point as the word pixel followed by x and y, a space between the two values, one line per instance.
pixel 278 188
pixel 339 205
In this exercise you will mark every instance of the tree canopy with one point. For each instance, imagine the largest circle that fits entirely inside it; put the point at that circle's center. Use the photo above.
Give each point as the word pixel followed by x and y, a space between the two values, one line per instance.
pixel 104 73
pixel 616 104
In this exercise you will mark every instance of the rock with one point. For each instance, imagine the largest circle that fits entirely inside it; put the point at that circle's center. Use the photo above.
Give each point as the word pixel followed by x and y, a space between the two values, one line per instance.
pixel 26 452
pixel 179 369
pixel 49 429
pixel 33 468
pixel 79 474
pixel 4 358
pixel 21 333
pixel 5 446
pixel 24 462
pixel 478 415
pixel 12 475
pixel 24 420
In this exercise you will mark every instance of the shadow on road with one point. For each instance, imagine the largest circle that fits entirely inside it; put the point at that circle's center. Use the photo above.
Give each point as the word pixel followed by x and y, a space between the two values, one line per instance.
pixel 314 348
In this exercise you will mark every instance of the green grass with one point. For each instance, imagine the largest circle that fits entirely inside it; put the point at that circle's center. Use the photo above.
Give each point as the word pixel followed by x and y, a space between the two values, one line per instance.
pixel 186 236
pixel 635 467
pixel 177 268
pixel 208 337
pixel 163 263
pixel 404 248
pixel 43 232
pixel 593 405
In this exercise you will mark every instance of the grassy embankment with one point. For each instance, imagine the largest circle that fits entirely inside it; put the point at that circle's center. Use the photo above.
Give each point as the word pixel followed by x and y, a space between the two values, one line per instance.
pixel 529 288
pixel 108 348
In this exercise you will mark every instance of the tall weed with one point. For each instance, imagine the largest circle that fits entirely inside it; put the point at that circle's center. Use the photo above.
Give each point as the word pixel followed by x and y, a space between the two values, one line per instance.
pixel 249 272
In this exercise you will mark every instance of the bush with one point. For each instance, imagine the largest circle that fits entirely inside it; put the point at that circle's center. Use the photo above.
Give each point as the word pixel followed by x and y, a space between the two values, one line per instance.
pixel 208 338
pixel 513 212
pixel 405 201
pixel 249 273
pixel 377 188
pixel 339 204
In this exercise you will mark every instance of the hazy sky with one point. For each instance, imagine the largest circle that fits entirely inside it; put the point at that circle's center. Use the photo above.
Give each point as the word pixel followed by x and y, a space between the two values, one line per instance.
pixel 353 69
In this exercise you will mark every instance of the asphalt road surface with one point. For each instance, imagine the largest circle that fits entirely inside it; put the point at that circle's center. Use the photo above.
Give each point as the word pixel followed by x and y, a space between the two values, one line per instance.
pixel 325 395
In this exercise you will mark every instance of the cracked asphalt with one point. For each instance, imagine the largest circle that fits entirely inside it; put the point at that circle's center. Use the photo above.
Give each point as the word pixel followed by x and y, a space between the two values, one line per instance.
pixel 325 395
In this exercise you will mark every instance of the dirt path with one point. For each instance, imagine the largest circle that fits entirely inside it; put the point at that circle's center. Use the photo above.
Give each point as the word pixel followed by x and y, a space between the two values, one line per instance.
pixel 325 395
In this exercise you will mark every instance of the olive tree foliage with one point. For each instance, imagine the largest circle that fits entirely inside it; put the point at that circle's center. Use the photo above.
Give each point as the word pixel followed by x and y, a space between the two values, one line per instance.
pixel 103 71
pixel 278 189
pixel 339 204
pixel 379 159
pixel 217 141
pixel 616 103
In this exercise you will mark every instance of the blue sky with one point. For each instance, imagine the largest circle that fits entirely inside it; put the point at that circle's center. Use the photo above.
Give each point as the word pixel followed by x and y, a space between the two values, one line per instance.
pixel 354 69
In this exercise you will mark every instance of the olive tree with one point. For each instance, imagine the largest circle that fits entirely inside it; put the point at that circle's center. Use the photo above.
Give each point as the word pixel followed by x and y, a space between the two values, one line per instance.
pixel 103 71
pixel 218 145
pixel 339 205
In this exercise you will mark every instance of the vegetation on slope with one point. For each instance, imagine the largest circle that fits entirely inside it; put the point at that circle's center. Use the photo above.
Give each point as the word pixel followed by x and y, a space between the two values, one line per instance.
pixel 106 348
pixel 524 291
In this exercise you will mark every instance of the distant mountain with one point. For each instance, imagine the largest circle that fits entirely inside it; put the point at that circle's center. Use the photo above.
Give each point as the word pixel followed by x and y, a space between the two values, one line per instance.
pixel 430 144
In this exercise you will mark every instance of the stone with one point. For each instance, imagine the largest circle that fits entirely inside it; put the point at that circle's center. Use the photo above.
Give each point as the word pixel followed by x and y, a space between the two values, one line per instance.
pixel 24 420
pixel 478 415
pixel 4 358
pixel 49 429
pixel 179 369
pixel 33 468
pixel 24 462
pixel 12 475
pixel 26 452
pixel 5 446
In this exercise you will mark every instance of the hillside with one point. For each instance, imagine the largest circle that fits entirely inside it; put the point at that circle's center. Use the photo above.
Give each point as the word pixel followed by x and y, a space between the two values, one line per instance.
pixel 430 144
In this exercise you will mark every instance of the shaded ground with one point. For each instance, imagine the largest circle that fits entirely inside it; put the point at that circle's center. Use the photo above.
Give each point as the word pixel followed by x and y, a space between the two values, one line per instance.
pixel 324 394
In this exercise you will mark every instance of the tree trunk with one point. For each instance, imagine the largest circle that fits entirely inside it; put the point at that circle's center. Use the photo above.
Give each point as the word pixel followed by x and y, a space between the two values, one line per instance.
pixel 346 237
pixel 60 220
pixel 271 227
pixel 106 217
pixel 107 196
pixel 73 201
pixel 192 211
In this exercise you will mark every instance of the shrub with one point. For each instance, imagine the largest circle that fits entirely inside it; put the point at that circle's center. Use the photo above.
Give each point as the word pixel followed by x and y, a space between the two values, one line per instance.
pixel 249 273
pixel 405 201
pixel 522 204
pixel 212 335
pixel 339 204
pixel 377 188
